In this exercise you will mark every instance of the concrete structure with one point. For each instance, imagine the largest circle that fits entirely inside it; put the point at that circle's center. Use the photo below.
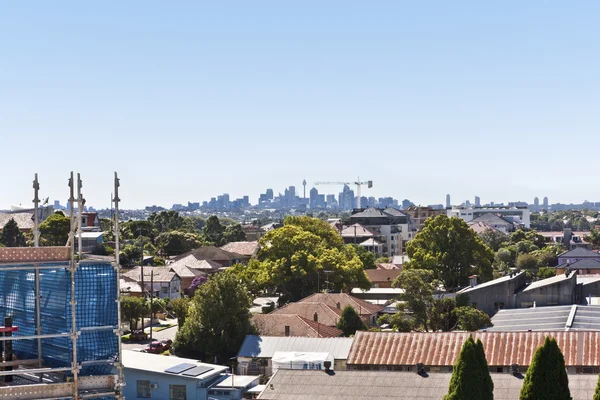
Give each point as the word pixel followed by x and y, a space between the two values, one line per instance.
pixel 146 377
pixel 558 290
pixel 517 215
pixel 392 227
pixel 390 385
pixel 497 294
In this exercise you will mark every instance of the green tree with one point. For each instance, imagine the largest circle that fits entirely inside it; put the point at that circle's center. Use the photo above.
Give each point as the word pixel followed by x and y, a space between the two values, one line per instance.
pixel 442 315
pixel 382 260
pixel 213 230
pixel 402 322
pixel 158 305
pixel 419 286
pixel 537 239
pixel 11 235
pixel 166 221
pixel 597 393
pixel 452 250
pixel 367 258
pixel 546 272
pixel 469 379
pixel 546 377
pixel 180 307
pixel 527 262
pixel 322 229
pixel 134 229
pixel 132 309
pixel 218 320
pixel 55 230
pixel 350 321
pixel 130 255
pixel 594 238
pixel 471 319
pixel 176 242
pixel 493 238
pixel 234 233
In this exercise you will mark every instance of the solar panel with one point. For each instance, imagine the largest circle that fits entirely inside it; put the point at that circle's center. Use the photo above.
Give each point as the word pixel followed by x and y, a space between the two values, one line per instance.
pixel 199 370
pixel 180 368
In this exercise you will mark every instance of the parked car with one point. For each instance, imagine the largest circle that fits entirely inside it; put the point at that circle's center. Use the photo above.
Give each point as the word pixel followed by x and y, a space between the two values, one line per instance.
pixel 155 347
pixel 167 343
pixel 138 335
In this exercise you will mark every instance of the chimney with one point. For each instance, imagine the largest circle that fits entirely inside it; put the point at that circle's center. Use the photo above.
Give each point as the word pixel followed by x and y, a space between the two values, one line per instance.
pixel 514 369
pixel 473 280
pixel 316 317
pixel 339 306
pixel 327 365
pixel 287 330
pixel 420 367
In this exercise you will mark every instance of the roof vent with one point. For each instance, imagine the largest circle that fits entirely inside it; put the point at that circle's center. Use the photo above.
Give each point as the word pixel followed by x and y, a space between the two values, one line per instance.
pixel 327 365
pixel 316 317
pixel 339 306
pixel 420 368
pixel 514 369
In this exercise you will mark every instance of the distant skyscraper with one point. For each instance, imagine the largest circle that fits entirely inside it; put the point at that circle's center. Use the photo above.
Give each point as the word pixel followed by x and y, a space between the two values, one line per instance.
pixel 448 204
pixel 467 204
pixel 292 196
pixel 477 201
pixel 545 203
pixel 304 193
pixel 536 202
pixel 269 194
pixel 314 198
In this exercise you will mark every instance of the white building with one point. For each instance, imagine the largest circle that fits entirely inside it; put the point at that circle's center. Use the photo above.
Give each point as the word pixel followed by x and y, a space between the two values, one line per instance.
pixel 518 215
pixel 392 227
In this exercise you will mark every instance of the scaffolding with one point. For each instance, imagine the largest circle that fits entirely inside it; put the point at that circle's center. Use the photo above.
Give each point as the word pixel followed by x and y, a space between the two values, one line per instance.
pixel 61 333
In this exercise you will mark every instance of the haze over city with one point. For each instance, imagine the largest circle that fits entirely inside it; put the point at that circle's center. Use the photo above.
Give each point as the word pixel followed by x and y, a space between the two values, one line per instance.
pixel 194 100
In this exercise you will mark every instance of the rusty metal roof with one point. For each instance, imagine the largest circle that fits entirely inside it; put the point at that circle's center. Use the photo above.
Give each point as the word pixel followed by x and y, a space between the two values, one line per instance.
pixel 442 348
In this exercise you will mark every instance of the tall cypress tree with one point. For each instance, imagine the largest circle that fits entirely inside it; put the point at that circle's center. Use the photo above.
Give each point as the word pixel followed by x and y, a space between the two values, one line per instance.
pixel 597 394
pixel 11 235
pixel 350 321
pixel 546 377
pixel 470 377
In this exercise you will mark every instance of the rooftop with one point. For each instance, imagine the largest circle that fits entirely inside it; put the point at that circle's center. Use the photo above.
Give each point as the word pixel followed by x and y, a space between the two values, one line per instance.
pixel 382 275
pixel 247 249
pixel 24 220
pixel 343 299
pixel 579 252
pixel 492 282
pixel 237 381
pixel 550 281
pixel 158 274
pixel 159 364
pixel 584 263
pixel 266 346
pixel 274 325
pixel 357 230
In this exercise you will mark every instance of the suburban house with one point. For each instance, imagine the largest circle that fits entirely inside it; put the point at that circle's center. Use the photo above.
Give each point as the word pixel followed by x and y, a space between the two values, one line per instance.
pixel 90 241
pixel 392 226
pixel 382 278
pixel 186 274
pixel 356 234
pixel 579 253
pixel 393 385
pixel 130 287
pixel 25 217
pixel 585 266
pixel 90 222
pixel 437 351
pixel 569 239
pixel 214 254
pixel 166 283
pixel 245 249
pixel 495 222
pixel 150 376
pixel 274 324
pixel 256 354
pixel 519 216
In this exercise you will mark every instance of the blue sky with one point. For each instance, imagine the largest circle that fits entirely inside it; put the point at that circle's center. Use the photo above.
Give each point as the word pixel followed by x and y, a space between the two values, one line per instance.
pixel 187 100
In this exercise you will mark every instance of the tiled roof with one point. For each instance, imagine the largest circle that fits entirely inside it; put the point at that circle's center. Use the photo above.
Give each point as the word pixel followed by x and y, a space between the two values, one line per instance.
pixel 479 227
pixel 382 275
pixel 492 219
pixel 389 266
pixel 247 249
pixel 442 348
pixel 332 299
pixel 266 346
pixel 584 263
pixel 357 230
pixel 274 325
pixel 158 274
pixel 326 314
pixel 129 285
pixel 370 242
pixel 183 271
pixel 579 252
pixel 23 219
pixel 213 253
pixel 296 384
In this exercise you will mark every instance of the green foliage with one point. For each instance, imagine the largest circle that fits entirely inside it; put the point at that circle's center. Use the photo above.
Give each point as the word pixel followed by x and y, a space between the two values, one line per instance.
pixel 213 230
pixel 419 286
pixel 594 238
pixel 493 239
pixel 546 272
pixel 527 262
pixel 166 221
pixel 134 229
pixel 130 255
pixel 234 233
pixel 218 320
pixel 55 230
pixel 442 315
pixel 367 258
pixel 471 319
pixel 471 377
pixel 452 250
pixel 597 393
pixel 546 377
pixel 158 305
pixel 11 235
pixel 180 307
pixel 350 322
pixel 292 260
pixel 402 322
pixel 176 242
pixel 132 309
pixel 382 260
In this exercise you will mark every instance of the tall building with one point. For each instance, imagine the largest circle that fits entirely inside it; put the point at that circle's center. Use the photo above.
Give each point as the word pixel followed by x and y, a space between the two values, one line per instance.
pixel 314 198
pixel 536 202
pixel 545 206
pixel 448 203
pixel 304 186
pixel 292 196
pixel 477 201
pixel 269 194
pixel 331 203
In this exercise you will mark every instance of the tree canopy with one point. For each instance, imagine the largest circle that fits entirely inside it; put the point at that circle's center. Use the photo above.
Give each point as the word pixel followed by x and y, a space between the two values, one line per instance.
pixel 176 242
pixel 367 258
pixel 451 250
pixel 546 377
pixel 350 321
pixel 11 235
pixel 55 230
pixel 597 393
pixel 132 309
pixel 217 321
pixel 471 377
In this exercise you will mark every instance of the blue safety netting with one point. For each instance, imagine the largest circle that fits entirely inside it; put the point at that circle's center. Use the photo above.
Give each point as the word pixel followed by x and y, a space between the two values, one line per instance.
pixel 96 313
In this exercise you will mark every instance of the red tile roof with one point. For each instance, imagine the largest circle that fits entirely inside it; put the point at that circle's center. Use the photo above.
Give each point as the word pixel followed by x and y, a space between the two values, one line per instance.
pixel 389 266
pixel 382 275
pixel 274 325
pixel 442 348
pixel 332 299
pixel 247 249
pixel 326 314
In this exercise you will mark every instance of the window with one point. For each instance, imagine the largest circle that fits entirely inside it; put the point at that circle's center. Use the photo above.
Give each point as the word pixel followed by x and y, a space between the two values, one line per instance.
pixel 287 330
pixel 177 392
pixel 143 389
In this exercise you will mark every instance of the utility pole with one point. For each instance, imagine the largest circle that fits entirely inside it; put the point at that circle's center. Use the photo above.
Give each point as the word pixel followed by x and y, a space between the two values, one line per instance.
pixel 151 295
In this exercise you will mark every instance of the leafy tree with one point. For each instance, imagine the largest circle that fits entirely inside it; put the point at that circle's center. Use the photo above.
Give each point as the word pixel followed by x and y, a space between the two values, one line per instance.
pixel 546 377
pixel 537 239
pixel 11 235
pixel 218 320
pixel 134 229
pixel 401 322
pixel 597 393
pixel 442 315
pixel 213 230
pixel 382 260
pixel 176 242
pixel 130 255
pixel 166 221
pixel 350 321
pixel 234 233
pixel 546 272
pixel 180 307
pixel 493 238
pixel 158 305
pixel 419 286
pixel 367 258
pixel 527 262
pixel 55 230
pixel 517 236
pixel 594 238
pixel 452 250
pixel 106 224
pixel 132 309
pixel 469 379
pixel 471 319
pixel 292 260
pixel 197 282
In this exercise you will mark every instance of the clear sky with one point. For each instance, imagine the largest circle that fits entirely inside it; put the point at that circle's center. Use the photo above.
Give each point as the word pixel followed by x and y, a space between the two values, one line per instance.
pixel 187 100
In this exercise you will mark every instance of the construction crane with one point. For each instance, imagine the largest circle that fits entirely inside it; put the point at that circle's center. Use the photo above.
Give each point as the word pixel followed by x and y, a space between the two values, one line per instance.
pixel 358 184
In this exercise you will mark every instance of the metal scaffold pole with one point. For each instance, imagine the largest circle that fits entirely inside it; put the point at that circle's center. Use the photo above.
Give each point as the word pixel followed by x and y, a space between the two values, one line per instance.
pixel 36 243
pixel 119 365
pixel 73 301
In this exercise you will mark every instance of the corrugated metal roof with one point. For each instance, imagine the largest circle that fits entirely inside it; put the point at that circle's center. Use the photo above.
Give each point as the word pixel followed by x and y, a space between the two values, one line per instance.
pixel 535 319
pixel 359 385
pixel 492 282
pixel 441 348
pixel 550 281
pixel 266 346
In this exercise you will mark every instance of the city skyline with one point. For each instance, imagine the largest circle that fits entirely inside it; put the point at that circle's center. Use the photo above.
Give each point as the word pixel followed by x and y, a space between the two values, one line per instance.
pixel 186 101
